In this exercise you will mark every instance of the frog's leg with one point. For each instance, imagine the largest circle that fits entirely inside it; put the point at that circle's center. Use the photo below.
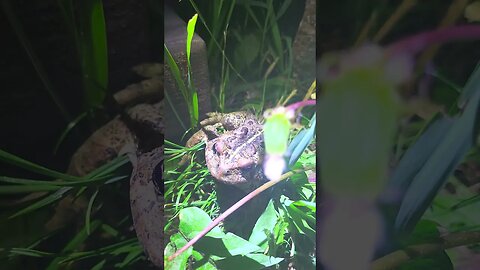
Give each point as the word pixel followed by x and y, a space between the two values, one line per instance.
pixel 234 120
pixel 213 118
pixel 230 121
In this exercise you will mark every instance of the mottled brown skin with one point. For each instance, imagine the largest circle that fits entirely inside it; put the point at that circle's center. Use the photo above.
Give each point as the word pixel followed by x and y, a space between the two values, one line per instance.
pixel 147 203
pixel 233 156
pixel 138 132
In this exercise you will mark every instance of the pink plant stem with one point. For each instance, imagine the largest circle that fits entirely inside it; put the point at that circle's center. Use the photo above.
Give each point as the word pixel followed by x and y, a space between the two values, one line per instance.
pixel 225 214
pixel 418 42
pixel 300 104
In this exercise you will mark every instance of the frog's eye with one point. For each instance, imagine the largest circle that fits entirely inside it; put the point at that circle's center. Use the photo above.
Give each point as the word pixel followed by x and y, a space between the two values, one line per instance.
pixel 244 131
pixel 219 147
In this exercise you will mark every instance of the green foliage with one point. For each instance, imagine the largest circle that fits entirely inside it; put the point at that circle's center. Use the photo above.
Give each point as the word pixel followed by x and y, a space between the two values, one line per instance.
pixel 250 62
pixel 249 54
pixel 285 232
pixel 188 90
pixel 265 247
pixel 87 26
pixel 457 140
pixel 122 253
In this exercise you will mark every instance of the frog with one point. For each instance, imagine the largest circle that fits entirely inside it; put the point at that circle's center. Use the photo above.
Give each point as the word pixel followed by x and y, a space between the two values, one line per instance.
pixel 137 131
pixel 233 148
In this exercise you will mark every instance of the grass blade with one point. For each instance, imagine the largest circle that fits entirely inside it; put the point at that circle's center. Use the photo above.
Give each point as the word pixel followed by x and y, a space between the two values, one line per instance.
pixel 93 51
pixel 30 252
pixel 22 163
pixel 190 31
pixel 14 189
pixel 89 211
pixel 67 130
pixel 73 244
pixel 43 202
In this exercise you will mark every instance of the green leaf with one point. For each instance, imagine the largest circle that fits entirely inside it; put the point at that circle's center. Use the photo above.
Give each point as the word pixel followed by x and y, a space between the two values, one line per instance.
pixel 180 262
pixel 415 158
pixel 302 218
pixel 13 189
pixel 425 231
pixel 89 211
pixel 264 227
pixel 193 220
pixel 300 142
pixel 190 31
pixel 450 152
pixel 73 244
pixel 22 163
pixel 195 105
pixel 470 87
pixel 247 50
pixel 275 32
pixel 24 185
pixel 175 72
pixel 92 44
pixel 250 261
pixel 227 246
pixel 30 252
pixel 43 202
pixel 99 265
pixel 67 130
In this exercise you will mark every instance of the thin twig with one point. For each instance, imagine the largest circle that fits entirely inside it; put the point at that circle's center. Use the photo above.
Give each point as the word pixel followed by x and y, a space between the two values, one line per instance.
pixel 300 104
pixel 418 42
pixel 454 12
pixel 366 30
pixel 229 211
pixel 401 10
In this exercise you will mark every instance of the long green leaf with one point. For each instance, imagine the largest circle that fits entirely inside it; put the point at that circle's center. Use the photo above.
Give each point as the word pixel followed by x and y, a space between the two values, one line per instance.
pixel 89 211
pixel 301 141
pixel 470 87
pixel 93 48
pixel 59 184
pixel 192 93
pixel 30 252
pixel 190 31
pixel 415 158
pixel 73 244
pixel 67 130
pixel 13 189
pixel 22 163
pixel 446 157
pixel 43 202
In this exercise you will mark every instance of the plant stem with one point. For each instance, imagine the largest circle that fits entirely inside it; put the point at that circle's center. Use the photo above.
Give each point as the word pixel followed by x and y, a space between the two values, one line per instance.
pixel 300 104
pixel 418 42
pixel 229 211
pixel 401 10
